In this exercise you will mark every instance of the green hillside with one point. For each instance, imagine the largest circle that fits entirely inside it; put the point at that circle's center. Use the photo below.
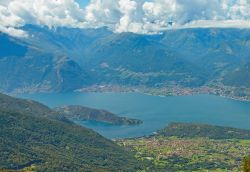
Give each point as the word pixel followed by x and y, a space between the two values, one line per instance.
pixel 84 113
pixel 189 130
pixel 28 107
pixel 30 138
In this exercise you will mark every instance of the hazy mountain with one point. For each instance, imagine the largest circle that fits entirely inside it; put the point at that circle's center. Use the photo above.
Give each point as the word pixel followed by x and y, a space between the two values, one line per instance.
pixel 65 59
pixel 239 77
pixel 31 69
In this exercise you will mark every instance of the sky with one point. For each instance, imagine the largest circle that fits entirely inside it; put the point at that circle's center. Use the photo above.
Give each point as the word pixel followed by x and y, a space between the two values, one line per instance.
pixel 137 16
pixel 83 3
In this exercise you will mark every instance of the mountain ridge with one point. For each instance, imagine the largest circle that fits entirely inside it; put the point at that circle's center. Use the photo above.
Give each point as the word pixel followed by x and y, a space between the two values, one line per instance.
pixel 187 58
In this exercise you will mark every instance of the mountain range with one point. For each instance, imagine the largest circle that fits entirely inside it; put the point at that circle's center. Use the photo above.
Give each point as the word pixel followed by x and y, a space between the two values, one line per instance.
pixel 66 59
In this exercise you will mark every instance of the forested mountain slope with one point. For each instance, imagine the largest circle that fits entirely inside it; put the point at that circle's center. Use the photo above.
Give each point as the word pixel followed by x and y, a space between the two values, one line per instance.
pixel 31 134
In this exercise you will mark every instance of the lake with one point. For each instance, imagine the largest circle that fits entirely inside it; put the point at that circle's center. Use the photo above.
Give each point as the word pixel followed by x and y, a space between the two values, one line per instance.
pixel 155 111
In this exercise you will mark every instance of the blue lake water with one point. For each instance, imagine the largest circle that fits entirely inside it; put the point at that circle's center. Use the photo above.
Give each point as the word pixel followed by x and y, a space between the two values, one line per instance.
pixel 156 112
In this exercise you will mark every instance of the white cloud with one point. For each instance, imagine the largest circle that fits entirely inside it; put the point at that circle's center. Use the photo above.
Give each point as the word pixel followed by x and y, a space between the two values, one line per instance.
pixel 139 16
pixel 128 9
pixel 215 23
pixel 151 16
pixel 13 31
pixel 51 13
pixel 102 13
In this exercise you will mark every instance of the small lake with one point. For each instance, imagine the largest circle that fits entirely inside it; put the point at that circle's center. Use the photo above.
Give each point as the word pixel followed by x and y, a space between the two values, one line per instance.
pixel 155 111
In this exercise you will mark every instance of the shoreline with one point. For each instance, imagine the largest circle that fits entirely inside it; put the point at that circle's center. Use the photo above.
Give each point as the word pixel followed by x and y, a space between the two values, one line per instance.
pixel 171 91
pixel 220 91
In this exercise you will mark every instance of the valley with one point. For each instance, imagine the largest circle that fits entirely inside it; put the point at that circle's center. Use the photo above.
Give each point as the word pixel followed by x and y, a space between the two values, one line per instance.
pixel 192 147
pixel 125 86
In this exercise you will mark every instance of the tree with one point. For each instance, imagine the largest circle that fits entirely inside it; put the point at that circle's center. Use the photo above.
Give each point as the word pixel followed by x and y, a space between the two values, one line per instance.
pixel 246 164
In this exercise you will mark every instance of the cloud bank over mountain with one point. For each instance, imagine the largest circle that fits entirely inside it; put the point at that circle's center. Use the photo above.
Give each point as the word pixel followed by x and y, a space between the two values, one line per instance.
pixel 138 16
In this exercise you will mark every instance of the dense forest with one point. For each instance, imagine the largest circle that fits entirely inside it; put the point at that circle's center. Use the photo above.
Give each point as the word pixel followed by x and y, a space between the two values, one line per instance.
pixel 29 138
